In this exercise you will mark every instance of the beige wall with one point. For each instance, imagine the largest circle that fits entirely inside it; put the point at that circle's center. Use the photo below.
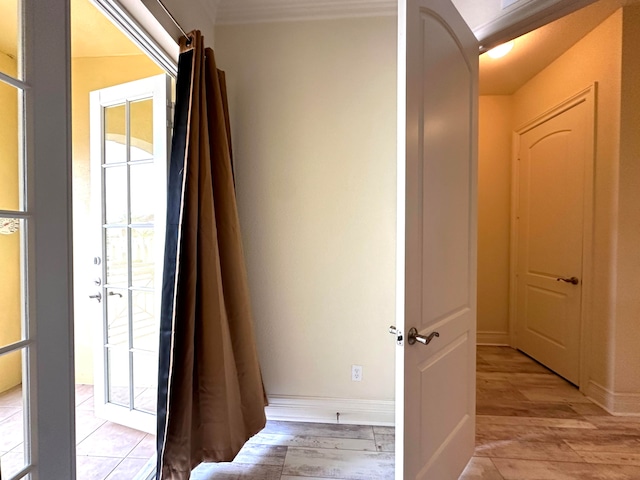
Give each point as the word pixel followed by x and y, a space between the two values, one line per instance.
pixel 313 109
pixel 494 205
pixel 10 321
pixel 595 58
pixel 627 331
pixel 91 73
pixel 608 55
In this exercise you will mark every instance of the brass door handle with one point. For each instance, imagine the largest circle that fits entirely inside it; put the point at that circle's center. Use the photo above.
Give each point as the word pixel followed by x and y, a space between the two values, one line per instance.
pixel 572 280
pixel 414 337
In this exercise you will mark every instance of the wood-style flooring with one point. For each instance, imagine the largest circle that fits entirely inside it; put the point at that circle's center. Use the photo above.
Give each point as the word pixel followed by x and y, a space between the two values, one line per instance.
pixel 531 425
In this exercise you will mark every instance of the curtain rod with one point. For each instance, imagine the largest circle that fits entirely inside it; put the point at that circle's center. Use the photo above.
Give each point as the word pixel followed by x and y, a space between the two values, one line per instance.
pixel 173 19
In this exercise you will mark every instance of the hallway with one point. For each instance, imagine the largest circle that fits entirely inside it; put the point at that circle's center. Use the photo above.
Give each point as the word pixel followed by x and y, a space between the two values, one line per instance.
pixel 533 425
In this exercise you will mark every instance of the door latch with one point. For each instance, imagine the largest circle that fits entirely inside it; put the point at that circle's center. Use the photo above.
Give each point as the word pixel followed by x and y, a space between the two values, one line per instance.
pixel 394 331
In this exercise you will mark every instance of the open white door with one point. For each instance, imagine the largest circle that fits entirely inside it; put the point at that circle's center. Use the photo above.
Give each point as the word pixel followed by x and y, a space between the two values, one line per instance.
pixel 129 135
pixel 436 277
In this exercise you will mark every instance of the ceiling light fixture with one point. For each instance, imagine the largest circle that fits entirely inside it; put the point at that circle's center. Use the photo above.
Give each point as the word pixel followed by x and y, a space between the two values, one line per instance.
pixel 501 50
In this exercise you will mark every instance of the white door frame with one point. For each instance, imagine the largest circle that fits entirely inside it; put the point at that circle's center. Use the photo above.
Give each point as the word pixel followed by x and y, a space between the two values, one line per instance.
pixel 587 95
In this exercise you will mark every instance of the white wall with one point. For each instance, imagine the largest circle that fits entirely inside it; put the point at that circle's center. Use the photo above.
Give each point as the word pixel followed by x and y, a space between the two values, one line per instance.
pixel 313 107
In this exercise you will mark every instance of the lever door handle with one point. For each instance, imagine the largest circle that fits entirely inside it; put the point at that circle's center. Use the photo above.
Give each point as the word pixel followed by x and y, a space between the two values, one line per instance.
pixel 414 337
pixel 97 296
pixel 572 280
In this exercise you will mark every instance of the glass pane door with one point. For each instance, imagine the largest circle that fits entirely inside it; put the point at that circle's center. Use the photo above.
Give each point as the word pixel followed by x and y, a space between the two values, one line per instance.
pixel 36 359
pixel 129 162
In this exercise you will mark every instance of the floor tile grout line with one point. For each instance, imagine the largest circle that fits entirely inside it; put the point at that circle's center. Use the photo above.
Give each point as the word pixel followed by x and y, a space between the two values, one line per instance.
pixel 506 457
pixel 375 440
pixel 89 434
pixel 496 468
pixel 284 461
pixel 113 469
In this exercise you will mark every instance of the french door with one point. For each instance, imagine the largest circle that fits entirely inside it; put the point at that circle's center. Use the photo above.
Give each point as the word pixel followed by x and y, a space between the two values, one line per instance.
pixel 129 135
pixel 36 339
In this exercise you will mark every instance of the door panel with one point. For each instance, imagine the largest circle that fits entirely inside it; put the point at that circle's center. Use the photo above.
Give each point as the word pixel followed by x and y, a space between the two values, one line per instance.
pixel 435 395
pixel 552 156
pixel 129 162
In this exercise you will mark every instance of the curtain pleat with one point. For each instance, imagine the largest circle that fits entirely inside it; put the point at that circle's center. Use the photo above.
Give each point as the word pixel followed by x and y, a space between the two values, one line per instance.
pixel 210 397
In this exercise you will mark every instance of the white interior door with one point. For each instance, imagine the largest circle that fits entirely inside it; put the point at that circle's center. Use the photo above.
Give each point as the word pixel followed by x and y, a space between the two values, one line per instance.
pixel 552 159
pixel 129 132
pixel 437 172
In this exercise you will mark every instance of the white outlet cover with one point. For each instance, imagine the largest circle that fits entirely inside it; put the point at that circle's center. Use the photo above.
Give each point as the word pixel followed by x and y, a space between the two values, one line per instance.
pixel 356 373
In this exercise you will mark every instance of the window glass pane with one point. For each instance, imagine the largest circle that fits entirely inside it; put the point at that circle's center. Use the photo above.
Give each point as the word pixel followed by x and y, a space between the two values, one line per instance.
pixel 115 193
pixel 115 145
pixel 117 317
pixel 10 282
pixel 145 332
pixel 142 198
pixel 141 121
pixel 9 146
pixel 118 376
pixel 9 28
pixel 116 261
pixel 142 257
pixel 12 456
pixel 145 372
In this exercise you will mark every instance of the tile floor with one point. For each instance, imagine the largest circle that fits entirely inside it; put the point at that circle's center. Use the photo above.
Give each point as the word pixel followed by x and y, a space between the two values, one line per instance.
pixel 105 450
pixel 531 425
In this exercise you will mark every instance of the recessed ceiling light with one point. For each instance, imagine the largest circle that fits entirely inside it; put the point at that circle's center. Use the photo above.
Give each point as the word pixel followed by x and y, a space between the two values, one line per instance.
pixel 501 50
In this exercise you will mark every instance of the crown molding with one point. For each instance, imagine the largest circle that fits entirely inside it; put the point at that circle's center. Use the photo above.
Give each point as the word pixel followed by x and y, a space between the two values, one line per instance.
pixel 261 11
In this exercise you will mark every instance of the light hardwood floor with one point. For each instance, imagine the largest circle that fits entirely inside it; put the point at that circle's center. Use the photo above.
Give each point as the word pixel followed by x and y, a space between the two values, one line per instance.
pixel 531 425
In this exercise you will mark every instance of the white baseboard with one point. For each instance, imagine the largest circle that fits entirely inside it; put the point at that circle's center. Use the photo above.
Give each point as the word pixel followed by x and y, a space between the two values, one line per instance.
pixel 493 338
pixel 614 403
pixel 323 410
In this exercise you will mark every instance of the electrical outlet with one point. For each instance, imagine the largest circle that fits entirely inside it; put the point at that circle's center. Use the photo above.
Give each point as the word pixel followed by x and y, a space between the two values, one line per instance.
pixel 356 373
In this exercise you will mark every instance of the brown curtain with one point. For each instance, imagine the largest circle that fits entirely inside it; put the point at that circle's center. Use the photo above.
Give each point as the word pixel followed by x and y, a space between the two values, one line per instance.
pixel 210 397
